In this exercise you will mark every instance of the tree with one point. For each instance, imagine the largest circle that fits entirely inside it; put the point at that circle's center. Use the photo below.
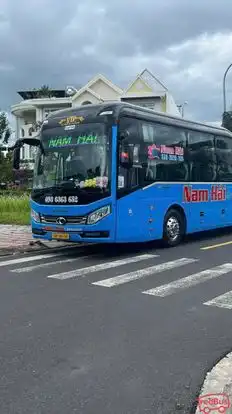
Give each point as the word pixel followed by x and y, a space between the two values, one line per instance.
pixel 44 92
pixel 5 131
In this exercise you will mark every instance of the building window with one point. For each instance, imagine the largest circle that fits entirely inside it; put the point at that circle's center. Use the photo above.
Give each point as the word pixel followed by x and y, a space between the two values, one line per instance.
pixel 149 105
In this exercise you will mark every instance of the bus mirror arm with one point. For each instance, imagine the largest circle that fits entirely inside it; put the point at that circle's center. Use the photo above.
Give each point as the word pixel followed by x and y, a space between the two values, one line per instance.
pixel 33 142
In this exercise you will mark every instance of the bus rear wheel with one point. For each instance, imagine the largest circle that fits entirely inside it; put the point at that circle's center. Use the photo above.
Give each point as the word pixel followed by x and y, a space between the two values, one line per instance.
pixel 174 228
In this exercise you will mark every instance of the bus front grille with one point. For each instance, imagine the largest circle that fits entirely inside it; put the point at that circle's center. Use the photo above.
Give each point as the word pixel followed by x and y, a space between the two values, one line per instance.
pixel 69 219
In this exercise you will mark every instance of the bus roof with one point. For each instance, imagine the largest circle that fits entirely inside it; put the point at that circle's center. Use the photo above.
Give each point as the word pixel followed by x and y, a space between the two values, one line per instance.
pixel 123 108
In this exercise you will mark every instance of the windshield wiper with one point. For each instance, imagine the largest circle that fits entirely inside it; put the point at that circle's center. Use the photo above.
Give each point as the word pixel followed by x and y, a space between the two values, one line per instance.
pixel 69 178
pixel 65 184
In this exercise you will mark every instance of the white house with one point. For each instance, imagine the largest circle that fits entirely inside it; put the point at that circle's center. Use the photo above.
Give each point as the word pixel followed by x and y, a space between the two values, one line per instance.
pixel 32 110
pixel 145 90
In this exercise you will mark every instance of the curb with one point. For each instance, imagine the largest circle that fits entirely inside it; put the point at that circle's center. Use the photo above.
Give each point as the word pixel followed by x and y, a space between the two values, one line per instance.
pixel 219 380
pixel 36 246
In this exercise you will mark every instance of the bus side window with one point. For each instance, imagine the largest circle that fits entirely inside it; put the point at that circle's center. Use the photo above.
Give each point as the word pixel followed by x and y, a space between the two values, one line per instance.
pixel 224 158
pixel 165 152
pixel 129 139
pixel 202 157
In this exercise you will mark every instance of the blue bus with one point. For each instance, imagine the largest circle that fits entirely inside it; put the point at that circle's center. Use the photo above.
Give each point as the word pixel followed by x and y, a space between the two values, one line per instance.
pixel 119 173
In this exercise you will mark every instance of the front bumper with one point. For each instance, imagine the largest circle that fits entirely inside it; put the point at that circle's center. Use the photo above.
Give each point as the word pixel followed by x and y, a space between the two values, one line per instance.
pixel 74 236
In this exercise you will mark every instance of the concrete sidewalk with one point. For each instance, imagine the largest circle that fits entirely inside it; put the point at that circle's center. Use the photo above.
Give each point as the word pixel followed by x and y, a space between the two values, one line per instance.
pixel 15 238
pixel 218 381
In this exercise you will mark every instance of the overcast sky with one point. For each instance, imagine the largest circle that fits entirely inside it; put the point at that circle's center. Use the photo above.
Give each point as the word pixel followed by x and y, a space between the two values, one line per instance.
pixel 187 44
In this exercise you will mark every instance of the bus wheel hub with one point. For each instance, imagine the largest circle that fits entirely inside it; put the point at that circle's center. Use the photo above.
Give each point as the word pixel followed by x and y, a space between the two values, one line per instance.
pixel 173 228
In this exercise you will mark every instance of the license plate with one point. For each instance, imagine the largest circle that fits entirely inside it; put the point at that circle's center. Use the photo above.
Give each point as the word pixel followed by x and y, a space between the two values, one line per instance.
pixel 60 236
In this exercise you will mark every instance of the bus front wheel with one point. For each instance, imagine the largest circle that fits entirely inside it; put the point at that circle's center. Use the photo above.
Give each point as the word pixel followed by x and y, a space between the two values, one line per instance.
pixel 174 228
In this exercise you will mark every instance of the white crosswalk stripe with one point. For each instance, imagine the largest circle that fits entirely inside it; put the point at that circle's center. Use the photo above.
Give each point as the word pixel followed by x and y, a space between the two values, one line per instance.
pixel 189 281
pixel 47 264
pixel 103 266
pixel 222 301
pixel 139 274
pixel 20 260
pixel 41 261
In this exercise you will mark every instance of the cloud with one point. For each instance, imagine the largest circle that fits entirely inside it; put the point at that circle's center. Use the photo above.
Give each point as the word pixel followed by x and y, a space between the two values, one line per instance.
pixel 186 44
pixel 205 59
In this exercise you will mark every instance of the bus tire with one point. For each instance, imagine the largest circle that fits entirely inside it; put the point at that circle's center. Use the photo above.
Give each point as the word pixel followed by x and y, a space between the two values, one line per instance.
pixel 173 229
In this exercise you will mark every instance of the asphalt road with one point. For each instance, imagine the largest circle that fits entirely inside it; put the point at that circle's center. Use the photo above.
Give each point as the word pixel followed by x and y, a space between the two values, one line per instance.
pixel 91 330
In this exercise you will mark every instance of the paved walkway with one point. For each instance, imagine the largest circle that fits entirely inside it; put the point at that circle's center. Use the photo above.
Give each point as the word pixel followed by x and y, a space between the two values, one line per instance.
pixel 218 381
pixel 12 236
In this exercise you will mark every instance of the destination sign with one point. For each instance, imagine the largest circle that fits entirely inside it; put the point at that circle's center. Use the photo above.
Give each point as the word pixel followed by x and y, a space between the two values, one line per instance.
pixel 62 141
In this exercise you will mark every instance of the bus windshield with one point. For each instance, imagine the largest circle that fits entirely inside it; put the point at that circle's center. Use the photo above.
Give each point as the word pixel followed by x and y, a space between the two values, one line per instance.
pixel 79 158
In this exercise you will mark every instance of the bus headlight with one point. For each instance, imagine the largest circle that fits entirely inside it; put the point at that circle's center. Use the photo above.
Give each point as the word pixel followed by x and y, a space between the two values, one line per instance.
pixel 99 214
pixel 35 216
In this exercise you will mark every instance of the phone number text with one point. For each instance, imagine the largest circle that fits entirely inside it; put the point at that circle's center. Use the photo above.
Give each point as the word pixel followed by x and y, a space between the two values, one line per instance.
pixel 61 199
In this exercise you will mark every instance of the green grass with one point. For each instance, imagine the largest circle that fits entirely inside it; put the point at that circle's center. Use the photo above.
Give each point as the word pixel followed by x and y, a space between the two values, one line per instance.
pixel 14 209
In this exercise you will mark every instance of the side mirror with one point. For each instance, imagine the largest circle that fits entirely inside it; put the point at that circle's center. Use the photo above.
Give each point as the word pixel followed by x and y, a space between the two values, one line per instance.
pixel 124 135
pixel 16 158
pixel 16 154
pixel 40 168
pixel 125 156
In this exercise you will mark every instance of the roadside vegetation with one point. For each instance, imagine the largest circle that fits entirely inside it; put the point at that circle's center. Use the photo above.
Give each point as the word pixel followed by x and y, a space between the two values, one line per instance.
pixel 14 201
pixel 14 208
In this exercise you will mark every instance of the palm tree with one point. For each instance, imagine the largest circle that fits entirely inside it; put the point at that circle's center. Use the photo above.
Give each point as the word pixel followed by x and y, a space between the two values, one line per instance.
pixel 44 92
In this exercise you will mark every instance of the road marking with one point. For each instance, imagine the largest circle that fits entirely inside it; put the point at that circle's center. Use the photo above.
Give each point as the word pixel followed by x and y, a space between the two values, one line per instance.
pixel 38 266
pixel 214 246
pixel 222 301
pixel 192 280
pixel 107 265
pixel 139 274
pixel 27 259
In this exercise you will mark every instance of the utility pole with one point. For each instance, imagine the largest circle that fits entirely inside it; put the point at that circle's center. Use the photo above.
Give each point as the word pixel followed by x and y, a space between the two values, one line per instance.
pixel 224 87
pixel 181 108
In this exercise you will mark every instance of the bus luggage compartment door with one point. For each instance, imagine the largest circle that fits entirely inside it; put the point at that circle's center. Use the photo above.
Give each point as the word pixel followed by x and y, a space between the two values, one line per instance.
pixel 134 218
